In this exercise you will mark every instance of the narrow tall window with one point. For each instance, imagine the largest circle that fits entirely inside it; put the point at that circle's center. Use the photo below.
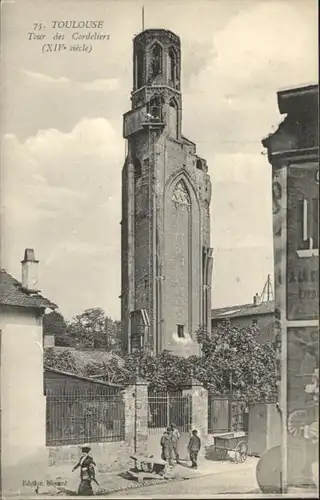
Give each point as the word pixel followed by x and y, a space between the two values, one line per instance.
pixel 173 119
pixel 180 331
pixel 172 67
pixel 140 68
pixel 155 108
pixel 156 61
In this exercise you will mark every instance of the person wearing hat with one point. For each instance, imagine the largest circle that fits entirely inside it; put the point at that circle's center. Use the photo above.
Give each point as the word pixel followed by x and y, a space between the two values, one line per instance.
pixel 87 471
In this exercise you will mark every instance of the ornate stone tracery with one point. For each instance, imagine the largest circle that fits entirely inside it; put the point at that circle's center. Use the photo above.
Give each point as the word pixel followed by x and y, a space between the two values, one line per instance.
pixel 180 196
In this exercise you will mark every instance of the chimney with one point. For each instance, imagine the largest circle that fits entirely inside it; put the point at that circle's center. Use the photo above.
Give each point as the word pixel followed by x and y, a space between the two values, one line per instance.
pixel 256 299
pixel 30 271
pixel 48 341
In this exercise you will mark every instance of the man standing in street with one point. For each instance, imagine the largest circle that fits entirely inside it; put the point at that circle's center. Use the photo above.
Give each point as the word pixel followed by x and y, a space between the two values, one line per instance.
pixel 194 448
pixel 175 441
pixel 166 445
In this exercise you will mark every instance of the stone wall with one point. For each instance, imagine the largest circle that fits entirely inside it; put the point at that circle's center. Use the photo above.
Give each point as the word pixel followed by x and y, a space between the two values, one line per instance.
pixel 109 457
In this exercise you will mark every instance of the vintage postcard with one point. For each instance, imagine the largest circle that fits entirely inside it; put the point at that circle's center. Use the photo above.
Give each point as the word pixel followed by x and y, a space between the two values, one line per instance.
pixel 159 282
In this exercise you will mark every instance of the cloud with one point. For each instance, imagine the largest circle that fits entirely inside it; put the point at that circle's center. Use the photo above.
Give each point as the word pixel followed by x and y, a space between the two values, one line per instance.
pixel 61 185
pixel 232 99
pixel 98 85
pixel 101 85
pixel 61 196
pixel 45 79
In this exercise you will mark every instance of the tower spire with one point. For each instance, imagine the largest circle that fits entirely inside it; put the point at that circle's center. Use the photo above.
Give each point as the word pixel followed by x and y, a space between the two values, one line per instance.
pixel 142 18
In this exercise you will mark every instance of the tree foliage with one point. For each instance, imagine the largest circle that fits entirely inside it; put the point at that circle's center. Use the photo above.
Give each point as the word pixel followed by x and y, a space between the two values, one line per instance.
pixel 235 362
pixel 164 371
pixel 93 329
pixel 90 329
pixel 232 362
pixel 55 324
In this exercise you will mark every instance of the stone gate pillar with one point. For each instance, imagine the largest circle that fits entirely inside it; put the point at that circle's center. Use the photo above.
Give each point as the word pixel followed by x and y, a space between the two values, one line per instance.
pixel 141 417
pixel 199 412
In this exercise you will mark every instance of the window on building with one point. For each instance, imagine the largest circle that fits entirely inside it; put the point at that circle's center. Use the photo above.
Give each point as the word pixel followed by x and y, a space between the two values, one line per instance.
pixel 199 164
pixel 180 331
pixel 140 68
pixel 156 60
pixel 155 108
pixel 172 66
pixel 136 342
pixel 173 119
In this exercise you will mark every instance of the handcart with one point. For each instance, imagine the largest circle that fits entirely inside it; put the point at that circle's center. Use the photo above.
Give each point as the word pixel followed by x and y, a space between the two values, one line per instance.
pixel 231 446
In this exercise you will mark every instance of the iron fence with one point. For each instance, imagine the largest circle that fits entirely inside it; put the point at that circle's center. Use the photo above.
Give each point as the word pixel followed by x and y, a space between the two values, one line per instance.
pixel 84 417
pixel 167 408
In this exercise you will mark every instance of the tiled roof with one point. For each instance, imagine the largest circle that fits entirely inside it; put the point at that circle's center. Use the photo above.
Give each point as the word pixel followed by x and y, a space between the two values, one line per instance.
pixel 267 307
pixel 48 370
pixel 12 293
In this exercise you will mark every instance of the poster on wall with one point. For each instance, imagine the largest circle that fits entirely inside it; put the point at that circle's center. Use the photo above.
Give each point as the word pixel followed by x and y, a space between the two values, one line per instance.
pixel 279 207
pixel 303 242
pixel 302 402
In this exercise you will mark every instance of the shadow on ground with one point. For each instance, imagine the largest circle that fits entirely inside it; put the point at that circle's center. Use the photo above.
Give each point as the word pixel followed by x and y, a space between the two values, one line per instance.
pixel 212 454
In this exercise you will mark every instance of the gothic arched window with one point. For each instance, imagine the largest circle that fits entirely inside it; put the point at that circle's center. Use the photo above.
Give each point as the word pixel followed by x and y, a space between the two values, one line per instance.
pixel 155 107
pixel 140 68
pixel 156 60
pixel 199 164
pixel 173 119
pixel 172 66
pixel 180 195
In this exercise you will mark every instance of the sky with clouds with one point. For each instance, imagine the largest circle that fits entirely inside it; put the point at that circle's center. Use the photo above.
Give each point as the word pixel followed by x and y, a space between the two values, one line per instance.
pixel 62 147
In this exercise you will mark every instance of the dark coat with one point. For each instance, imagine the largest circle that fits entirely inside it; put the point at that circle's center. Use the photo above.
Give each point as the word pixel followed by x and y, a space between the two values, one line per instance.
pixel 194 443
pixel 86 465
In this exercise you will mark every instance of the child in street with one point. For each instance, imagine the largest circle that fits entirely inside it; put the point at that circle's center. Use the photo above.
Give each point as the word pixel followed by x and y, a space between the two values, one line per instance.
pixel 194 448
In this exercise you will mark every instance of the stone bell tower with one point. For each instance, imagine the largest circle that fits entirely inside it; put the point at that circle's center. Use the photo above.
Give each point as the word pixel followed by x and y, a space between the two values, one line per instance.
pixel 165 249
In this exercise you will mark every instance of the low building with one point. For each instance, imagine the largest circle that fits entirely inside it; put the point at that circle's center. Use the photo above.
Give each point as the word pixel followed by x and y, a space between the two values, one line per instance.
pixel 261 314
pixel 22 398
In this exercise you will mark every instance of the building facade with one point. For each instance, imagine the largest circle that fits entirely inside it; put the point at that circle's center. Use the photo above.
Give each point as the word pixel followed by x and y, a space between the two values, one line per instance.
pixel 294 156
pixel 166 192
pixel 23 402
pixel 259 314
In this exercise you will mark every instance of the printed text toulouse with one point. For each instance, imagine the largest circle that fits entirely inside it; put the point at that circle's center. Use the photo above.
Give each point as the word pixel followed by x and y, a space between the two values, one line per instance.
pixel 77 24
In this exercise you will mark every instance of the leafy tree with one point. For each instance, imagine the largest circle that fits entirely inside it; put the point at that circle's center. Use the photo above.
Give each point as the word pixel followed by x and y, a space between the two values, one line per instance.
pixel 55 324
pixel 164 371
pixel 232 361
pixel 235 362
pixel 93 329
